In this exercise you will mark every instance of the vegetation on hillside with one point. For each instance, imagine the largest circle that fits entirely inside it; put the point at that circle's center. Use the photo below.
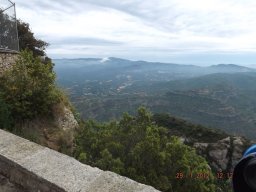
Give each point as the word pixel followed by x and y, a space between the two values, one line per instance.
pixel 138 148
pixel 27 89
pixel 28 41
pixel 192 132
pixel 6 120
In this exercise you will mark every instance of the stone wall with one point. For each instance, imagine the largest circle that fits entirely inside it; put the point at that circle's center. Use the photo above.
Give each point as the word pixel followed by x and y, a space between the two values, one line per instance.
pixel 37 168
pixel 7 59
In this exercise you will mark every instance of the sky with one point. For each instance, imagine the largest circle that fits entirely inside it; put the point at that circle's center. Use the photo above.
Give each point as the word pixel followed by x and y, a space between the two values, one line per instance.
pixel 199 32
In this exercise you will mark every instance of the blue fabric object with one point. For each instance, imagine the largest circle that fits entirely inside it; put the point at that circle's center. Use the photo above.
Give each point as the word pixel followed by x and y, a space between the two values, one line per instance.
pixel 243 175
pixel 250 151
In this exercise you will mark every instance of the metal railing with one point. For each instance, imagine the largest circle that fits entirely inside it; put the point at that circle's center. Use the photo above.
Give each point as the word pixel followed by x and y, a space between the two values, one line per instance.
pixel 9 40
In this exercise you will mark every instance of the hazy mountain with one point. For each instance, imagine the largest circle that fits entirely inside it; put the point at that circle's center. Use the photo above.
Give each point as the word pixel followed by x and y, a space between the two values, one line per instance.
pixel 221 96
pixel 106 69
pixel 230 68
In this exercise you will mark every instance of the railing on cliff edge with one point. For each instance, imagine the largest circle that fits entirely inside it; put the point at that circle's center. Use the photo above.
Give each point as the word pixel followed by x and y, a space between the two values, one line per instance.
pixel 9 41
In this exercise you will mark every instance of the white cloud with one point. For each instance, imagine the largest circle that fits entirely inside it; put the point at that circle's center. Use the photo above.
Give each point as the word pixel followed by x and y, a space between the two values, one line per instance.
pixel 144 28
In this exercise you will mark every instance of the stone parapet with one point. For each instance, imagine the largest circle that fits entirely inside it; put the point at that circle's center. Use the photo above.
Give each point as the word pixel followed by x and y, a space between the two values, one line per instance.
pixel 37 168
pixel 7 59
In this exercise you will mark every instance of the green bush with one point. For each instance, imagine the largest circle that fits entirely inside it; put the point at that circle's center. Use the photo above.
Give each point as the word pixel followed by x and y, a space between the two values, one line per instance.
pixel 6 121
pixel 139 149
pixel 28 88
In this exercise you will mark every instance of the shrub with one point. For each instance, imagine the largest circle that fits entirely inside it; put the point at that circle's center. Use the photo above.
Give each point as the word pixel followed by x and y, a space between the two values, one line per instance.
pixel 6 121
pixel 28 87
pixel 137 148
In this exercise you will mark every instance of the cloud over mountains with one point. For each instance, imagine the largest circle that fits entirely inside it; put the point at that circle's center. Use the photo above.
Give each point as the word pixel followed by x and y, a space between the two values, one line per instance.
pixel 166 30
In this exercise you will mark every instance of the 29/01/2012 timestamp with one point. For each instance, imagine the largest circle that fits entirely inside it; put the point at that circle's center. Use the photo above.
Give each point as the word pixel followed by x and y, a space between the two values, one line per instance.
pixel 204 175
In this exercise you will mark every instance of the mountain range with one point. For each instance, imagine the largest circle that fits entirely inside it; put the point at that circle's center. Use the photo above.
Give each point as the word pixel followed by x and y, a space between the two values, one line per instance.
pixel 219 96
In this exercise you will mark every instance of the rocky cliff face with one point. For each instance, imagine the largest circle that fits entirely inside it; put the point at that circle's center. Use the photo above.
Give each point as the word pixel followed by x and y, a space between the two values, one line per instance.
pixel 56 132
pixel 64 118
pixel 224 154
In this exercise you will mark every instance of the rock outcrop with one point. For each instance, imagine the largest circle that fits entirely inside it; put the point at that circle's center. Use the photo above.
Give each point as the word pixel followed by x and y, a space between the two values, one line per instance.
pixel 56 132
pixel 64 118
pixel 224 154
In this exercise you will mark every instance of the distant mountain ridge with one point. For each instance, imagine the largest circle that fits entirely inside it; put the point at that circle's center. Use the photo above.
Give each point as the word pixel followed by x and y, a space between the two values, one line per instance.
pixel 127 60
pixel 120 60
pixel 137 70
pixel 232 67
pixel 219 96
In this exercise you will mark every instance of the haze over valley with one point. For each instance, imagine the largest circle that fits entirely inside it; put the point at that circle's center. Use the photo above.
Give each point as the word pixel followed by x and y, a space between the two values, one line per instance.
pixel 218 96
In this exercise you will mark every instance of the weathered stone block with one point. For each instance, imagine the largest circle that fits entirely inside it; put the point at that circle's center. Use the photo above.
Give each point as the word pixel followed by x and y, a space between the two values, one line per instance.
pixel 38 168
pixel 7 59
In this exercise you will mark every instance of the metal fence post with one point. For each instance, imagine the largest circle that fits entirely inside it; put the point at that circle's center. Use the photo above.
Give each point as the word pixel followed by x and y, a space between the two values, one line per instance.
pixel 9 37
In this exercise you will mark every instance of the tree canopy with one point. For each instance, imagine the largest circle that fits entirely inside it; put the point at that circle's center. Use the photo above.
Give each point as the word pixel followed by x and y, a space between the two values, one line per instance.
pixel 27 40
pixel 139 149
pixel 28 88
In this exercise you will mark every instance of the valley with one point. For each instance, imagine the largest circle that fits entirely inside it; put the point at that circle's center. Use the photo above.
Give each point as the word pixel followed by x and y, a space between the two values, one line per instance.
pixel 220 96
